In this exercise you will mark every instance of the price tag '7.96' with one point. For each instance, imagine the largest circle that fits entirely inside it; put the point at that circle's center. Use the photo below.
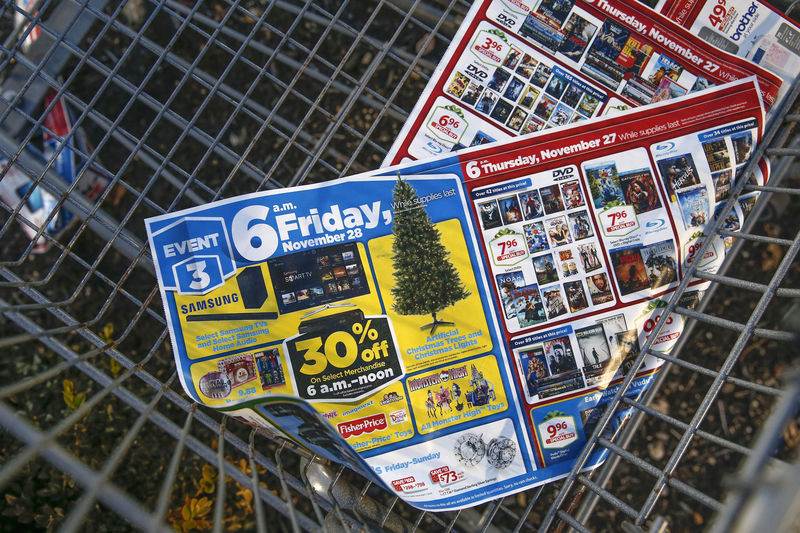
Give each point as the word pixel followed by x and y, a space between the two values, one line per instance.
pixel 344 360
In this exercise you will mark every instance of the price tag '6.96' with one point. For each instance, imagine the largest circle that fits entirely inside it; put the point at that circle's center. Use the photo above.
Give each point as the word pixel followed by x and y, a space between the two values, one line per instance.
pixel 344 360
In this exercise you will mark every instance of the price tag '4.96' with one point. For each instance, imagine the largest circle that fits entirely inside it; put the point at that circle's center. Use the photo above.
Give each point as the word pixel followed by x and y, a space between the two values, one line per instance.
pixel 344 360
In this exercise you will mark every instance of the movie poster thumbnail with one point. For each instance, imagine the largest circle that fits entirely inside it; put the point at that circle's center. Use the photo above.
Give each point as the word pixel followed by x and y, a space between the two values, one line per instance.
pixel 602 59
pixel 506 283
pixel 517 119
pixel 722 184
pixel 561 115
pixel 535 237
pixel 576 297
pixel 551 199
pixel 529 96
pixel 742 146
pixel 486 102
pixel 553 302
pixel 512 59
pixel 528 306
pixel 589 258
pixel 678 173
pixel 627 348
pixel 457 85
pixel 532 124
pixel 526 66
pixel 490 215
pixel 541 75
pixel 717 154
pixel 554 11
pixel 568 265
pixel 694 205
pixel 573 197
pixel 534 368
pixel 472 93
pixel 664 67
pixel 634 55
pixel 559 354
pixel 545 269
pixel 499 79
pixel 556 87
pixel 731 222
pixel 604 185
pixel 572 96
pixel 544 108
pixel 581 225
pixel 591 417
pixel 510 210
pixel 502 110
pixel 593 345
pixel 588 105
pixel 543 30
pixel 667 90
pixel 639 190
pixel 599 288
pixel 747 202
pixel 531 204
pixel 629 269
pixel 661 262
pixel 558 231
pixel 577 34
pixel 564 374
pixel 514 89
pixel 562 383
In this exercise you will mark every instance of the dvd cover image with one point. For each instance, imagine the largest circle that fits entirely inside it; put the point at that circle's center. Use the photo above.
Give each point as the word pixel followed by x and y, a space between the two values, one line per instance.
pixel 528 306
pixel 551 199
pixel 604 184
pixel 677 173
pixel 694 205
pixel 535 237
pixel 599 288
pixel 639 190
pixel 581 225
pixel 590 261
pixel 629 270
pixel 661 262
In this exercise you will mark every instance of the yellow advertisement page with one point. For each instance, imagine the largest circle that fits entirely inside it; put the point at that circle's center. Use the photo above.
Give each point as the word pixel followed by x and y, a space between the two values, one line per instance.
pixel 244 313
pixel 236 377
pixel 463 331
pixel 375 421
pixel 455 394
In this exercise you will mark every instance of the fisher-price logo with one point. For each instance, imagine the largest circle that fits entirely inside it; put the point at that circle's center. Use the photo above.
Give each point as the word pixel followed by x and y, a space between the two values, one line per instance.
pixel 357 427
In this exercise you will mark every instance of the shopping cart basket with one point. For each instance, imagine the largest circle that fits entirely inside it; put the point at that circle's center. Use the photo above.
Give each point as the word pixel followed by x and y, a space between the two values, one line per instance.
pixel 177 103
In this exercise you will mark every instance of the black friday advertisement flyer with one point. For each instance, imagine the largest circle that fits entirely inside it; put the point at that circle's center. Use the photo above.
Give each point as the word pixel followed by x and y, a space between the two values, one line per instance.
pixel 468 399
pixel 516 67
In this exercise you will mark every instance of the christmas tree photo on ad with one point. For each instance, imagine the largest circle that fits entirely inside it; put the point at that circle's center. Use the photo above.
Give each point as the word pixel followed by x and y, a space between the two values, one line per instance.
pixel 426 282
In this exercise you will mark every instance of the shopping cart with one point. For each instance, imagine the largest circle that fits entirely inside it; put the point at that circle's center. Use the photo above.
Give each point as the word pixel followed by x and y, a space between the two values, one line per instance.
pixel 177 103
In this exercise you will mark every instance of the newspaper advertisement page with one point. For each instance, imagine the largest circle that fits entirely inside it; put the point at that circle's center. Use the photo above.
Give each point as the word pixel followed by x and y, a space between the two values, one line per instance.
pixel 518 67
pixel 455 328
pixel 747 28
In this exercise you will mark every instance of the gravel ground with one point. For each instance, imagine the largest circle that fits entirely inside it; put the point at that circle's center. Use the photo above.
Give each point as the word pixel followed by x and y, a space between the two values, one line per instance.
pixel 220 149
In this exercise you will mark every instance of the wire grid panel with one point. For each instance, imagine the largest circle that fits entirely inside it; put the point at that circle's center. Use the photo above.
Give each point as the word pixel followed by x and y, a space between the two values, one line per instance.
pixel 186 102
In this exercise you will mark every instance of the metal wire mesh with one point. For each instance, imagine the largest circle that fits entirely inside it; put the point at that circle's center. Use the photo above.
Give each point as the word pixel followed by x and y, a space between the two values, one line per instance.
pixel 186 102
